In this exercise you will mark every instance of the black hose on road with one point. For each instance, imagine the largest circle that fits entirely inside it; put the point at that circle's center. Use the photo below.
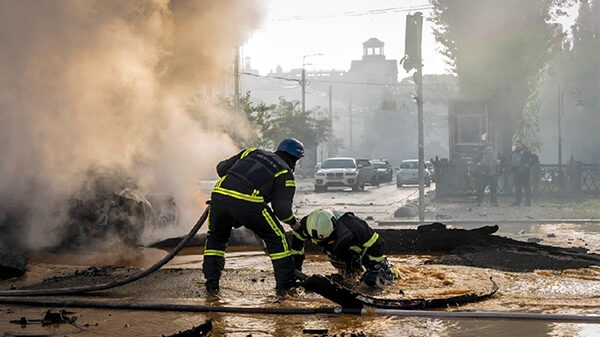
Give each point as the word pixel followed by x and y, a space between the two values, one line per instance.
pixel 63 303
pixel 113 284
pixel 489 315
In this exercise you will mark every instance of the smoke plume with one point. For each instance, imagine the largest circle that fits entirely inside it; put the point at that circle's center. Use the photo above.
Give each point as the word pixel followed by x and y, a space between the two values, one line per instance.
pixel 107 83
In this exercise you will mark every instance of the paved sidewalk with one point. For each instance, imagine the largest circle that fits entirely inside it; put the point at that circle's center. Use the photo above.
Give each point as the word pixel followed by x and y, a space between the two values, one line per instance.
pixel 539 210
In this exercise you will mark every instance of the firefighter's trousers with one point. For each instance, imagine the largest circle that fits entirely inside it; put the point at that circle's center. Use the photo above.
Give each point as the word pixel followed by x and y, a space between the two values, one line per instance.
pixel 258 217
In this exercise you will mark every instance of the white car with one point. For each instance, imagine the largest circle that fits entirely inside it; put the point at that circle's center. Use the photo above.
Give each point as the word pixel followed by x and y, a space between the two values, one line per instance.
pixel 409 173
pixel 340 172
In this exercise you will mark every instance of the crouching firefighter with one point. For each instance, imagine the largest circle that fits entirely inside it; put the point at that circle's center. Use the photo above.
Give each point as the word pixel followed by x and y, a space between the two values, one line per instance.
pixel 250 181
pixel 349 243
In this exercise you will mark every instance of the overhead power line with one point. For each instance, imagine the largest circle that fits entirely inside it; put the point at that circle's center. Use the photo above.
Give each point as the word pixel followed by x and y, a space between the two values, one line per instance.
pixel 275 77
pixel 356 13
pixel 315 81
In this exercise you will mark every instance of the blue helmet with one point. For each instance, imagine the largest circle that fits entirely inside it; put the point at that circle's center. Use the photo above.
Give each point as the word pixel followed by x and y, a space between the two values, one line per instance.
pixel 292 146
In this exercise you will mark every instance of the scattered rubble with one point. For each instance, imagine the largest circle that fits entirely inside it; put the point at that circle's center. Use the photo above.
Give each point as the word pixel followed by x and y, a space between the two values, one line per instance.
pixel 49 318
pixel 405 212
pixel 12 265
pixel 475 247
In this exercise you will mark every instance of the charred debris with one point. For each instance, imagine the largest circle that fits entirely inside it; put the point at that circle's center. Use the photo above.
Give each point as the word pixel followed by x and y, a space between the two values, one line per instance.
pixel 107 206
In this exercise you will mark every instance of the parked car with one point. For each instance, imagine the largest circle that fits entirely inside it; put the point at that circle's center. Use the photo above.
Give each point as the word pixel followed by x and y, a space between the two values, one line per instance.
pixel 342 172
pixel 368 171
pixel 384 170
pixel 409 173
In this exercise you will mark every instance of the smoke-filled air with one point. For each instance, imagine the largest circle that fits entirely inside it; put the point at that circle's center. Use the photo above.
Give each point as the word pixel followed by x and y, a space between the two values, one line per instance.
pixel 110 94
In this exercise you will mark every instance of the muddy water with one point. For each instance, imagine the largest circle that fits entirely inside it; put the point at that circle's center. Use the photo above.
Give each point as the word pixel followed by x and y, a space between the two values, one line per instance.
pixel 248 281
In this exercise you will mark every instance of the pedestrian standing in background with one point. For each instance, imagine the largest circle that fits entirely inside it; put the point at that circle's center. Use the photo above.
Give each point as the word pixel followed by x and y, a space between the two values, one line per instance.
pixel 487 169
pixel 520 165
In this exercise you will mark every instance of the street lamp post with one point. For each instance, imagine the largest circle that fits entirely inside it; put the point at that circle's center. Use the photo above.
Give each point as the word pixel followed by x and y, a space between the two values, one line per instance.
pixel 560 111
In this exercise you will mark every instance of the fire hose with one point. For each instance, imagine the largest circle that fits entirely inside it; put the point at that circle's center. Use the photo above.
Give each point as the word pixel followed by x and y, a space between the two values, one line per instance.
pixel 492 315
pixel 114 284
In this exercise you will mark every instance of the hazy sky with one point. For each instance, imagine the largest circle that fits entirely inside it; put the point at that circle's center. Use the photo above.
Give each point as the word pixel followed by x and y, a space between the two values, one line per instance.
pixel 336 28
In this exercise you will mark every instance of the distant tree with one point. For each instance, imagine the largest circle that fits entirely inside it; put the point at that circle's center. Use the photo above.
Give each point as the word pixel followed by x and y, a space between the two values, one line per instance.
pixel 278 121
pixel 578 67
pixel 498 50
pixel 290 121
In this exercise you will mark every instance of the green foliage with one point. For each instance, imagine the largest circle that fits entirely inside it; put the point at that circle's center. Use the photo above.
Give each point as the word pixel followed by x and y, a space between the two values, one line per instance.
pixel 277 122
pixel 577 70
pixel 499 49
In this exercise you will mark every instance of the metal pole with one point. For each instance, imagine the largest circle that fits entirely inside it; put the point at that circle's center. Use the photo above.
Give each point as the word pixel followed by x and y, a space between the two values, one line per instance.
pixel 350 126
pixel 330 138
pixel 303 81
pixel 559 109
pixel 419 79
pixel 236 74
pixel 414 29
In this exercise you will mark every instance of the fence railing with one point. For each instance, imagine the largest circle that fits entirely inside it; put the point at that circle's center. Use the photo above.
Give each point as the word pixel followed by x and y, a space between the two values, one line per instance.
pixel 459 178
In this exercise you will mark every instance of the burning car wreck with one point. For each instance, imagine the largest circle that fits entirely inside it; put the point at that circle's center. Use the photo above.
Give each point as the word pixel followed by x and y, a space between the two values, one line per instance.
pixel 111 206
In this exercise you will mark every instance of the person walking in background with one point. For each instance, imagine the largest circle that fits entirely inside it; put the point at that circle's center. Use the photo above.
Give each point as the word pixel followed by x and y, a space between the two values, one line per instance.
pixel 520 164
pixel 487 164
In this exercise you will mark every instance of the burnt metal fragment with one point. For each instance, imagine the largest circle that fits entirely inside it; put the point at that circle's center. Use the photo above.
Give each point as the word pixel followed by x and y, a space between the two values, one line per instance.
pixel 49 318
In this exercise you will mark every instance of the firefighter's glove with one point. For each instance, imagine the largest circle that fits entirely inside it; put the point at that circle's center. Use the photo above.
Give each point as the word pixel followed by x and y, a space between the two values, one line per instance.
pixel 349 265
pixel 370 278
pixel 353 263
pixel 380 274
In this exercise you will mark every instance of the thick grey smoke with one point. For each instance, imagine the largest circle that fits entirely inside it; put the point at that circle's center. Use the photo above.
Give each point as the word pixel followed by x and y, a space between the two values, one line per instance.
pixel 104 83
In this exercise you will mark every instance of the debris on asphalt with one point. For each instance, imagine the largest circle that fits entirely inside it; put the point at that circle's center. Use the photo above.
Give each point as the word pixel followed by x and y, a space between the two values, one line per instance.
pixel 315 331
pixel 405 212
pixel 12 265
pixel 201 330
pixel 49 318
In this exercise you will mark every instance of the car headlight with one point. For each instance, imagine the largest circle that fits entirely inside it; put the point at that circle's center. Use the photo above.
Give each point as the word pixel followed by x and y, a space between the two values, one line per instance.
pixel 350 174
pixel 319 174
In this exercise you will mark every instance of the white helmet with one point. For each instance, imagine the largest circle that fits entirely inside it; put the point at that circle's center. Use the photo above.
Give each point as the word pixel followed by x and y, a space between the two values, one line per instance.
pixel 319 224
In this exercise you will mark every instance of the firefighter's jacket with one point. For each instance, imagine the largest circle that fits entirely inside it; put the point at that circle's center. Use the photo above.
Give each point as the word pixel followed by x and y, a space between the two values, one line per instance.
pixel 257 177
pixel 352 241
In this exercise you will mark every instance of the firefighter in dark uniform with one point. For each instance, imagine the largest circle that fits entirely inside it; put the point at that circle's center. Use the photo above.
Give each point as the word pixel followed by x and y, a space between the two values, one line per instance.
pixel 250 181
pixel 349 243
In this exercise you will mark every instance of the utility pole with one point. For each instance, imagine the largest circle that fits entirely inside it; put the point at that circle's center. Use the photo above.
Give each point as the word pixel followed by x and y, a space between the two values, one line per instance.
pixel 330 140
pixel 413 60
pixel 236 80
pixel 559 112
pixel 419 79
pixel 350 128
pixel 303 82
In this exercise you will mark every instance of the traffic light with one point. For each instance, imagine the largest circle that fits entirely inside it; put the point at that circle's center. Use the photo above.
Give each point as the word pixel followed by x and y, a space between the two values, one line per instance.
pixel 412 41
